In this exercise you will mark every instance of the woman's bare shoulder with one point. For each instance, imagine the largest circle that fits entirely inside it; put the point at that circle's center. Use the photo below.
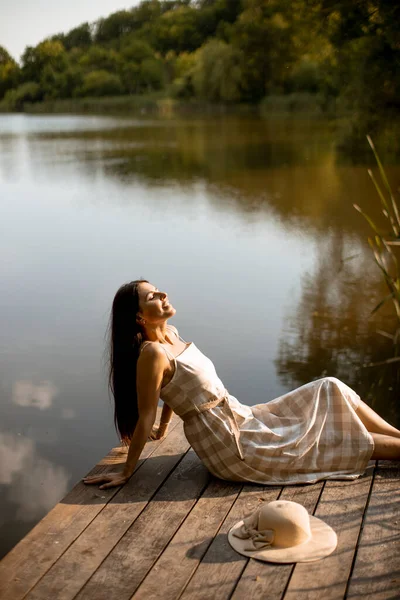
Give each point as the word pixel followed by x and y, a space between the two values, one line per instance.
pixel 150 351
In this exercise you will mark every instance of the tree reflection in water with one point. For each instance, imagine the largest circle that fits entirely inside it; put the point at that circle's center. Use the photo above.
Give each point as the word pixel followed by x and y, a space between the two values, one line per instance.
pixel 331 332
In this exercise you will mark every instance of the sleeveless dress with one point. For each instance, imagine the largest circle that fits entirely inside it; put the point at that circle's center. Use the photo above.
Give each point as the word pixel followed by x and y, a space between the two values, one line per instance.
pixel 309 434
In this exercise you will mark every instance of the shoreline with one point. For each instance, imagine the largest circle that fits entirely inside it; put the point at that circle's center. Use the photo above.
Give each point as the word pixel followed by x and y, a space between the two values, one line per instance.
pixel 163 105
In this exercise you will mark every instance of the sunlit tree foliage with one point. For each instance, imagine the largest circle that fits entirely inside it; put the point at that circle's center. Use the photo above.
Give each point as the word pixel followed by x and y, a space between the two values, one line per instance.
pixel 223 51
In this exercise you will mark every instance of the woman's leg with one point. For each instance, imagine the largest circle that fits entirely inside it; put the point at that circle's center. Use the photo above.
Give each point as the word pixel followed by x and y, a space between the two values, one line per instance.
pixel 374 423
pixel 386 447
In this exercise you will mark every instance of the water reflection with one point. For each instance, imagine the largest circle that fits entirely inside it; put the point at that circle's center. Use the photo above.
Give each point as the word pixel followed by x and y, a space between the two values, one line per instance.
pixel 68 413
pixel 14 125
pixel 26 393
pixel 185 150
pixel 280 167
pixel 330 331
pixel 37 484
pixel 234 217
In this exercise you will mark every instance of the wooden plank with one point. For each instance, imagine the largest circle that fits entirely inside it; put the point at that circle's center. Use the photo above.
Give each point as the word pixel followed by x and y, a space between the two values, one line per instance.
pixel 26 563
pixel 129 543
pixel 342 506
pixel 181 557
pixel 221 566
pixel 125 567
pixel 77 564
pixel 261 579
pixel 376 571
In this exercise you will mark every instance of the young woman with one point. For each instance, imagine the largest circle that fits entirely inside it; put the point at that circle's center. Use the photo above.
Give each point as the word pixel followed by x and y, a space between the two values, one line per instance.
pixel 321 430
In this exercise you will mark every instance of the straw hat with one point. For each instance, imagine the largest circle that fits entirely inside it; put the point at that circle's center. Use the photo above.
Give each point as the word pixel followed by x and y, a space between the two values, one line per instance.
pixel 282 532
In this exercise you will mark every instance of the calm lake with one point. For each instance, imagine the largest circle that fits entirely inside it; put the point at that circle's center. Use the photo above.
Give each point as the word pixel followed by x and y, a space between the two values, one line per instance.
pixel 247 223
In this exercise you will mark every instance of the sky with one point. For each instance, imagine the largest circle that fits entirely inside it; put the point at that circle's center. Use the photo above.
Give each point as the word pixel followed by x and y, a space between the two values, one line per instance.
pixel 27 22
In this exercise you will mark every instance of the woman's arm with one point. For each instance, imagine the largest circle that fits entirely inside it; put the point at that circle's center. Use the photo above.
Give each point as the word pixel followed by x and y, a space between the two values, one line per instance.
pixel 158 433
pixel 149 376
pixel 166 416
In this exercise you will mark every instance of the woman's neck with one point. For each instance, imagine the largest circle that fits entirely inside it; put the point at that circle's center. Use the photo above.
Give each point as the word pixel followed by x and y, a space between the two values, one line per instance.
pixel 160 333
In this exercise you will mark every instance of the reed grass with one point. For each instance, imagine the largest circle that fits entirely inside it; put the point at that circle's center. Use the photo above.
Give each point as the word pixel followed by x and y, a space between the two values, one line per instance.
pixel 383 245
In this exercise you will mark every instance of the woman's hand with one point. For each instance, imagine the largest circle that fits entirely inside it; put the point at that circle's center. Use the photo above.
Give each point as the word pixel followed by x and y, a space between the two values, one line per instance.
pixel 110 480
pixel 158 433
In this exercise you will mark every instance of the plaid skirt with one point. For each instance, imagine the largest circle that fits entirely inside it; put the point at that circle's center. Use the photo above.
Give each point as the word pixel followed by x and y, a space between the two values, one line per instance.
pixel 309 434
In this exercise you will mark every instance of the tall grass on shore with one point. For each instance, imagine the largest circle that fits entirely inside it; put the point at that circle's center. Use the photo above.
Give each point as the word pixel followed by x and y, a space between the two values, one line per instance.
pixel 384 245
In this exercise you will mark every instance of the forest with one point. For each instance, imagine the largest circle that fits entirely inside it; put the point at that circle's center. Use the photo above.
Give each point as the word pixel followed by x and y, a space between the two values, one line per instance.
pixel 229 52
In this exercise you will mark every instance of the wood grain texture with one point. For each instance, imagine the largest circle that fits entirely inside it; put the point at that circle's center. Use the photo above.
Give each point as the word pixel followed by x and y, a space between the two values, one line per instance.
pixel 164 536
pixel 221 566
pixel 34 555
pixel 71 571
pixel 376 571
pixel 187 548
pixel 342 506
pixel 261 579
pixel 130 560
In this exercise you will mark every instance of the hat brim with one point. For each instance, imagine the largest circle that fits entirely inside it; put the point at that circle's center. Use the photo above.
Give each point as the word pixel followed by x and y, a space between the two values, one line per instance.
pixel 322 543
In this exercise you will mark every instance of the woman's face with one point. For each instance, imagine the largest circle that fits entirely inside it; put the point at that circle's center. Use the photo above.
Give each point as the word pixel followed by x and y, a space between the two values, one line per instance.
pixel 154 306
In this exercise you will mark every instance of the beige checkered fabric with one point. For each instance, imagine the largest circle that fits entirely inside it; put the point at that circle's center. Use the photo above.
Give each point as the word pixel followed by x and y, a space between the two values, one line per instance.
pixel 306 435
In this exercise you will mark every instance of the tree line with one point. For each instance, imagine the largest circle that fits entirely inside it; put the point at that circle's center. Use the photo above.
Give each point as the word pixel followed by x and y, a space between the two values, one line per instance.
pixel 220 51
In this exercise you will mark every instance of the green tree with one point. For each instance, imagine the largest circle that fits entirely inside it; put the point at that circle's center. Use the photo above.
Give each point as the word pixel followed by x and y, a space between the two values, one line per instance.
pixel 141 70
pixel 79 37
pixel 144 76
pixel 26 92
pixel 100 59
pixel 61 84
pixel 175 30
pixel 366 36
pixel 136 50
pixel 100 83
pixel 5 57
pixel 182 68
pixel 152 74
pixel 228 51
pixel 218 73
pixel 46 54
pixel 263 34
pixel 9 72
pixel 115 26
pixel 305 76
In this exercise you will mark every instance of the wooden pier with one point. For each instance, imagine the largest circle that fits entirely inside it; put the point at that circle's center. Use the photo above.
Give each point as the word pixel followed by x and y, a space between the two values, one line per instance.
pixel 163 536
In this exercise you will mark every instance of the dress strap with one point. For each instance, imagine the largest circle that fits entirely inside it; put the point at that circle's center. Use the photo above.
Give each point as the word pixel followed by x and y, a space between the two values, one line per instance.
pixel 169 354
pixel 144 344
pixel 163 346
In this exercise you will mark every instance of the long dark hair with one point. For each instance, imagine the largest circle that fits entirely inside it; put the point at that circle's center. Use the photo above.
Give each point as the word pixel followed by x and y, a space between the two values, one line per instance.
pixel 125 338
